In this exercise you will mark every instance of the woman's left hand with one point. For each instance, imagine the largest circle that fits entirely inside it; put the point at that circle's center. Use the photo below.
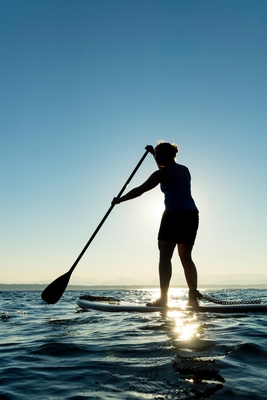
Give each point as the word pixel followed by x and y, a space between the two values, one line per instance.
pixel 115 201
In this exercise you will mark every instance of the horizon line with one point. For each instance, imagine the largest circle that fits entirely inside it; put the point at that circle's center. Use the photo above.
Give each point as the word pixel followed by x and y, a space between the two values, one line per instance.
pixel 41 286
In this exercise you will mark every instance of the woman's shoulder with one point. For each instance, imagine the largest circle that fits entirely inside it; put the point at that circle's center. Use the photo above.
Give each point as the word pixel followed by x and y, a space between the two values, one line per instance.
pixel 179 170
pixel 171 171
pixel 165 174
pixel 181 166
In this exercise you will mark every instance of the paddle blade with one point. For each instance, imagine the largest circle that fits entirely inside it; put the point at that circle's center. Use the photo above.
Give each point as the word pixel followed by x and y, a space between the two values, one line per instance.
pixel 55 290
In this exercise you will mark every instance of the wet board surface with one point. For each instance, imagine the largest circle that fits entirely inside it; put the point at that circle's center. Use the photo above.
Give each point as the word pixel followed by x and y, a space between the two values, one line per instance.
pixel 112 306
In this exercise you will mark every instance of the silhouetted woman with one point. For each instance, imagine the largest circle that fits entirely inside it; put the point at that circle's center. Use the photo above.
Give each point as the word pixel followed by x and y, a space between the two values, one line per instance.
pixel 179 222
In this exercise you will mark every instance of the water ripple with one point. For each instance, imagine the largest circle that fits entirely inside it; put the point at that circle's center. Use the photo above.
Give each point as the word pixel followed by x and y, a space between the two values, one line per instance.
pixel 61 352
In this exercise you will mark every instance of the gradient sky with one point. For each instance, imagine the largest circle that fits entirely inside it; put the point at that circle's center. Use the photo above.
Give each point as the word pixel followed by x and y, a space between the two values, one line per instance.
pixel 85 86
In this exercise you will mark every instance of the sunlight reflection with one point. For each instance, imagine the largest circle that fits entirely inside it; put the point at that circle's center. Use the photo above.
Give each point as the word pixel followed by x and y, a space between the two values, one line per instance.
pixel 182 325
pixel 185 328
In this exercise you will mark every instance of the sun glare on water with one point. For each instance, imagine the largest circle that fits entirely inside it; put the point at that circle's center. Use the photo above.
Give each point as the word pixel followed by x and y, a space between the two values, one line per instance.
pixel 185 326
pixel 185 329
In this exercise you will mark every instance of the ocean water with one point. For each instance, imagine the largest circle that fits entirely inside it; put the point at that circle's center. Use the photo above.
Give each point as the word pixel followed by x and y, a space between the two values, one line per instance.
pixel 63 352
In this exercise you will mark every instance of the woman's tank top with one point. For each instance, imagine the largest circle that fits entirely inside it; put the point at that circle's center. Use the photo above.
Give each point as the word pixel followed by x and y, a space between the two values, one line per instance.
pixel 178 190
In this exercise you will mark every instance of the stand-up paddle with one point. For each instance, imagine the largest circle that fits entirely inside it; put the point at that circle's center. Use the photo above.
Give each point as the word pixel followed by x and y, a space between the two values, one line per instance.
pixel 55 290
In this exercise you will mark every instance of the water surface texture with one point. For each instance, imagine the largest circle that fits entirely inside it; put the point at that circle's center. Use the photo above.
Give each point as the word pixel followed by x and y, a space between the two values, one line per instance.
pixel 63 352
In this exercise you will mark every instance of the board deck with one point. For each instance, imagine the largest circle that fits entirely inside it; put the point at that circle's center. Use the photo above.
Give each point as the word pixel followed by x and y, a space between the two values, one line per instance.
pixel 123 306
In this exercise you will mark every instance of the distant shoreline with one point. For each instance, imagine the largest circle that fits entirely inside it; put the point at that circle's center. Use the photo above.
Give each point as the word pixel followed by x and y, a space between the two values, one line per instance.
pixel 18 287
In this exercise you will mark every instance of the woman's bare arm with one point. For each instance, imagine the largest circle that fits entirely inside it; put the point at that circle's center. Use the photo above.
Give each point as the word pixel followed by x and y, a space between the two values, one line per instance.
pixel 149 184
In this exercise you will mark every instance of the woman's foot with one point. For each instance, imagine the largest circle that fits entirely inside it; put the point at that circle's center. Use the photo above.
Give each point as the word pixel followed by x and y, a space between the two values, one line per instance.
pixel 192 303
pixel 161 302
pixel 193 296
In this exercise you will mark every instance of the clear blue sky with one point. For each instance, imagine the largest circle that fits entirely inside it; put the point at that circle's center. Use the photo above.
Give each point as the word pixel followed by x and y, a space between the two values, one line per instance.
pixel 85 86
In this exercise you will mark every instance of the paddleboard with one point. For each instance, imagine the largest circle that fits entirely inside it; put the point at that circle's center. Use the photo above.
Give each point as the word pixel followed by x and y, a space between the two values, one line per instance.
pixel 114 306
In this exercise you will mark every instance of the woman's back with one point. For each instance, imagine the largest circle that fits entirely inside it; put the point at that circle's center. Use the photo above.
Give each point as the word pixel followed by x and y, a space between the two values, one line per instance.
pixel 177 189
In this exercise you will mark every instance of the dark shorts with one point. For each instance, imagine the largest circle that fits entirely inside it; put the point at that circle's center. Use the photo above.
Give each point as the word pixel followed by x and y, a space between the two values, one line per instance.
pixel 179 227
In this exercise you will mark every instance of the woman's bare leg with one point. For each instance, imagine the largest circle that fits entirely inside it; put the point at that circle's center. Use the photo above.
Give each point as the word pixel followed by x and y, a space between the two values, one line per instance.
pixel 165 270
pixel 190 271
pixel 165 266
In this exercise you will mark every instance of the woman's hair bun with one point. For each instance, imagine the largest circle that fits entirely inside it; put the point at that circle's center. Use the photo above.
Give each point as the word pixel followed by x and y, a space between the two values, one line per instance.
pixel 165 146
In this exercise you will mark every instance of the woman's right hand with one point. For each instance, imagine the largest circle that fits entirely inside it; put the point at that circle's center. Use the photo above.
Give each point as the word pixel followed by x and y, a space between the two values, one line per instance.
pixel 150 149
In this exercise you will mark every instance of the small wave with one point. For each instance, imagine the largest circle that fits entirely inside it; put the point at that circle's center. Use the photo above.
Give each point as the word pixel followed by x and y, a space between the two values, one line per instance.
pixel 250 352
pixel 128 356
pixel 61 349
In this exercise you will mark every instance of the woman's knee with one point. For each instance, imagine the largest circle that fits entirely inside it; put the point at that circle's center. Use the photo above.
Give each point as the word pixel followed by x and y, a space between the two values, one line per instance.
pixel 166 249
pixel 185 251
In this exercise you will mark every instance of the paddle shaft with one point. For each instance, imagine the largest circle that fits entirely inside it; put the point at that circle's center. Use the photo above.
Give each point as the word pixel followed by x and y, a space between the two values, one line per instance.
pixel 53 292
pixel 107 214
